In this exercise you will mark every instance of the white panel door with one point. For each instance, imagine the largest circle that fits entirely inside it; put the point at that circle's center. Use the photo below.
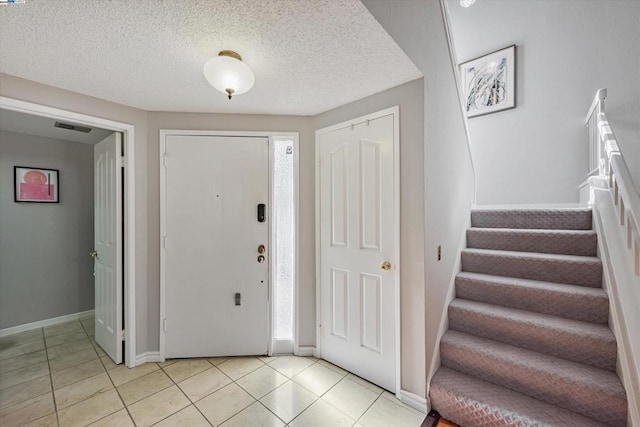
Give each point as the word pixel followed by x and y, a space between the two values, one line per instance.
pixel 108 245
pixel 357 238
pixel 213 186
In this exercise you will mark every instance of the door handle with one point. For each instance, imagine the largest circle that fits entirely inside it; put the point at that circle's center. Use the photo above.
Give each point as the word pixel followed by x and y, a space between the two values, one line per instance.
pixel 386 266
pixel 94 254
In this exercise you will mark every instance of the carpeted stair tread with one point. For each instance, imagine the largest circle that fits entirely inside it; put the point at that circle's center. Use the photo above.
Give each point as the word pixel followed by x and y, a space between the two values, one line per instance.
pixel 582 342
pixel 557 299
pixel 568 242
pixel 469 401
pixel 571 269
pixel 586 390
pixel 558 219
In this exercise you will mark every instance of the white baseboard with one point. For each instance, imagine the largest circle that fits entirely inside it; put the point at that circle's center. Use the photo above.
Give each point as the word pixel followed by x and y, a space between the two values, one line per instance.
pixel 44 323
pixel 149 356
pixel 413 400
pixel 305 351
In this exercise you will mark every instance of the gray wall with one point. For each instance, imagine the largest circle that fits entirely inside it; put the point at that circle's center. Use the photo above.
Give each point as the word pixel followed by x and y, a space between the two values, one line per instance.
pixel 418 26
pixel 45 268
pixel 566 51
pixel 410 98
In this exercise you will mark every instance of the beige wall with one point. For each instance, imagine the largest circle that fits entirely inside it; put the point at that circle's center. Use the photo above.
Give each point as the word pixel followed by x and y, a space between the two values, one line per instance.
pixel 147 126
pixel 410 98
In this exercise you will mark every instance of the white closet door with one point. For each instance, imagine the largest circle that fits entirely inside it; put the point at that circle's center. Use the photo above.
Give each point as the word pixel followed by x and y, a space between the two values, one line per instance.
pixel 357 241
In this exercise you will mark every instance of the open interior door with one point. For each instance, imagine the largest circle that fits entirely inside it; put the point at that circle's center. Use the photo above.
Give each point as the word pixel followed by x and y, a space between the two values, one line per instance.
pixel 108 245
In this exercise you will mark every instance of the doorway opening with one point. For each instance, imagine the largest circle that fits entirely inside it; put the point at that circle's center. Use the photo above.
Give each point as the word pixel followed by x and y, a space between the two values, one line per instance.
pixel 126 269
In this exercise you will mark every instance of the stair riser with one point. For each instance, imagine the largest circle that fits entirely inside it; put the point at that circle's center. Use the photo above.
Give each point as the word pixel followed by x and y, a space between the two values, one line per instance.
pixel 585 308
pixel 533 219
pixel 577 396
pixel 523 241
pixel 582 273
pixel 579 348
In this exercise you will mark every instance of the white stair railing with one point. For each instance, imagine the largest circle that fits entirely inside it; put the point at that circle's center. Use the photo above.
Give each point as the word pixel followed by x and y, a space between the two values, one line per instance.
pixel 611 192
pixel 606 161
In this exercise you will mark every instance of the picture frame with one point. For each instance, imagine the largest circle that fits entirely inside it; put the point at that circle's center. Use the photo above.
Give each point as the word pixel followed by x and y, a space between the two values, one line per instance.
pixel 489 82
pixel 36 185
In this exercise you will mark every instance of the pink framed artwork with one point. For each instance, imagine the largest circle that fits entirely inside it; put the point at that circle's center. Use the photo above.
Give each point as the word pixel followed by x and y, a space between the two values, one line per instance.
pixel 36 185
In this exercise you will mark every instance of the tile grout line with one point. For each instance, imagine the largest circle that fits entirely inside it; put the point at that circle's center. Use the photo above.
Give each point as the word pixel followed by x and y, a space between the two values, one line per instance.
pixel 344 376
pixel 258 400
pixel 295 382
pixel 53 393
pixel 188 398
pixel 110 380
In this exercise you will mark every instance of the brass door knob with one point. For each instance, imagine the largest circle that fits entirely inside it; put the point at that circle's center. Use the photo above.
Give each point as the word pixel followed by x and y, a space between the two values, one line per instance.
pixel 386 266
pixel 94 254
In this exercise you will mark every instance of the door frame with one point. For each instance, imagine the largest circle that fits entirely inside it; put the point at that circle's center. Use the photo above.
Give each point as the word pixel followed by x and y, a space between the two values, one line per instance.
pixel 129 241
pixel 395 112
pixel 272 136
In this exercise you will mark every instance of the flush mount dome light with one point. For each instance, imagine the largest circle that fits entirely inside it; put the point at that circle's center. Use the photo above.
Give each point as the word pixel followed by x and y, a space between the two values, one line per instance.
pixel 467 3
pixel 227 73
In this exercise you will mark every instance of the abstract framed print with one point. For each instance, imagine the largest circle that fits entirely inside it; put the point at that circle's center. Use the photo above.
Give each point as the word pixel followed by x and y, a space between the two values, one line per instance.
pixel 489 82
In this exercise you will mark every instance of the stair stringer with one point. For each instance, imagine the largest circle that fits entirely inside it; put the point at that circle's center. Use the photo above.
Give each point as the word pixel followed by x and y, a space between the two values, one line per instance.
pixel 435 361
pixel 628 363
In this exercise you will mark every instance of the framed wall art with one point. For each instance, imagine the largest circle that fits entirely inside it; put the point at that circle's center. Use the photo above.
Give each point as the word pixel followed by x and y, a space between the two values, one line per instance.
pixel 36 185
pixel 489 82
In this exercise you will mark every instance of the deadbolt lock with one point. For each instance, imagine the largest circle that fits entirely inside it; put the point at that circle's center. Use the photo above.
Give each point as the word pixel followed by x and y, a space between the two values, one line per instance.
pixel 260 258
pixel 261 249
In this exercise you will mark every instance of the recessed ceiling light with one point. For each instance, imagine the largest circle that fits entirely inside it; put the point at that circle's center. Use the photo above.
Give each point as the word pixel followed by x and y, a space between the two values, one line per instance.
pixel 467 3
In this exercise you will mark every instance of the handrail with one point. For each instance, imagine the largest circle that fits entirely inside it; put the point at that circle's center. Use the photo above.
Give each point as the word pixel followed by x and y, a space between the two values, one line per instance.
pixel 607 161
pixel 598 101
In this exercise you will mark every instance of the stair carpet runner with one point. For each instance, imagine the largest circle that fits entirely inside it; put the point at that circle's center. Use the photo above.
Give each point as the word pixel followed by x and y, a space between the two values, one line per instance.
pixel 528 342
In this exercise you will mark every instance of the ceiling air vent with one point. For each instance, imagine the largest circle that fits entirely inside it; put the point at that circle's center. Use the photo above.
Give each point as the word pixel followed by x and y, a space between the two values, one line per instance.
pixel 69 126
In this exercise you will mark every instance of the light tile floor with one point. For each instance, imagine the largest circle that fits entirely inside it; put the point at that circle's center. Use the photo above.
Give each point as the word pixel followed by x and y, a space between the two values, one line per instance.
pixel 58 376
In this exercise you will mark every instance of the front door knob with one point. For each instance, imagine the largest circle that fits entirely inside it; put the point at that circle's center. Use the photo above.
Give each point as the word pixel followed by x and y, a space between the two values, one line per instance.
pixel 386 266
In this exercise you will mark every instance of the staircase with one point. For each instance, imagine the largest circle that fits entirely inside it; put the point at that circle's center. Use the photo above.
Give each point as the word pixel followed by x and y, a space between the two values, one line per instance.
pixel 528 341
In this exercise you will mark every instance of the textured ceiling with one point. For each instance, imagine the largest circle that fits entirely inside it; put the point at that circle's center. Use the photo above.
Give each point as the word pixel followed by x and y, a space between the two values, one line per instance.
pixel 14 121
pixel 308 56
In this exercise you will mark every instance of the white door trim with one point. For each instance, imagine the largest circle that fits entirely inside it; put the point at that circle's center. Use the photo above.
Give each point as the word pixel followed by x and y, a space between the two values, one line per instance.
pixel 395 112
pixel 128 131
pixel 294 136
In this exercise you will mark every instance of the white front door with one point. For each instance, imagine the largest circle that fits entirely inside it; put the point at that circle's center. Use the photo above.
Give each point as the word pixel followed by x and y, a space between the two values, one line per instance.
pixel 108 245
pixel 357 240
pixel 216 278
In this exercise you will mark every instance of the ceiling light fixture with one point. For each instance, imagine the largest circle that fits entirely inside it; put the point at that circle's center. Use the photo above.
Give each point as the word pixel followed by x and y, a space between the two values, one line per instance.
pixel 227 73
pixel 467 3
